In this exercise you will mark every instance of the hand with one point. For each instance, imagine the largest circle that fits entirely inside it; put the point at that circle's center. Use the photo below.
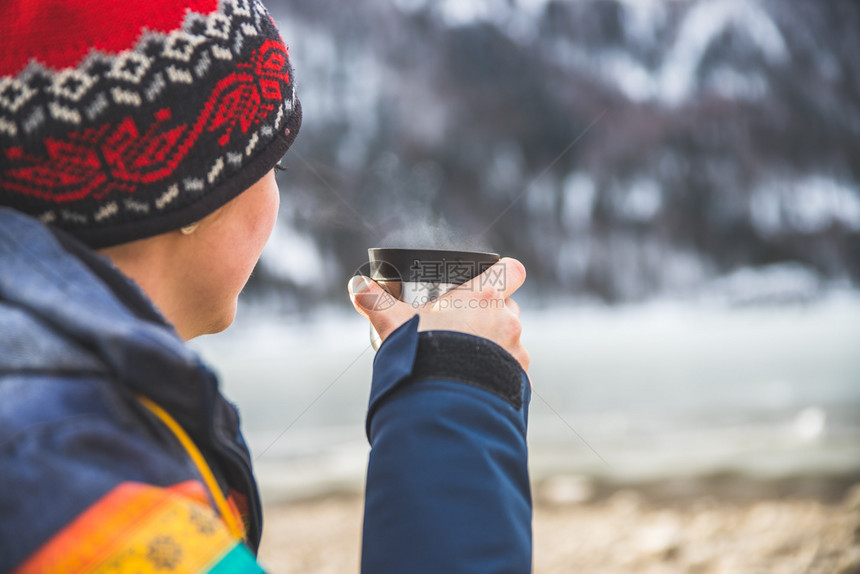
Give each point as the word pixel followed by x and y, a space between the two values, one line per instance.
pixel 480 307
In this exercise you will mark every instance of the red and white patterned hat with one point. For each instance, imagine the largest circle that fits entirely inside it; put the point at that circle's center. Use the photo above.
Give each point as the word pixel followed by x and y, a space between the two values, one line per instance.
pixel 123 120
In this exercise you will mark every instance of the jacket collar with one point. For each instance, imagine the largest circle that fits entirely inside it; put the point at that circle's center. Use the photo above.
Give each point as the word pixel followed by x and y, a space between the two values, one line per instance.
pixel 123 288
pixel 85 299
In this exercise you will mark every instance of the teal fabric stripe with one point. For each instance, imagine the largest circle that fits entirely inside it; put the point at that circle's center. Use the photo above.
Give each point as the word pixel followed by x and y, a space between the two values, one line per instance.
pixel 237 561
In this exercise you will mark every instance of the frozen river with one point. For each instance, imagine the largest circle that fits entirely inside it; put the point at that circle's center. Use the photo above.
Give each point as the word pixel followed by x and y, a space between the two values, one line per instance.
pixel 637 392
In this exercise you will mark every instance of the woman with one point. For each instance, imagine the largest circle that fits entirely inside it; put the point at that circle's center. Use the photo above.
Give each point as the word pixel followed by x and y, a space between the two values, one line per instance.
pixel 138 141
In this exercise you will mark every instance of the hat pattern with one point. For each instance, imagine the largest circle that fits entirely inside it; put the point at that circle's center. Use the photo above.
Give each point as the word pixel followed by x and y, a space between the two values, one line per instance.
pixel 135 143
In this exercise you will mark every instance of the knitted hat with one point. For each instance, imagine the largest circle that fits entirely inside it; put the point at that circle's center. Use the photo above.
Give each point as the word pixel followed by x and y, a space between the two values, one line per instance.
pixel 123 120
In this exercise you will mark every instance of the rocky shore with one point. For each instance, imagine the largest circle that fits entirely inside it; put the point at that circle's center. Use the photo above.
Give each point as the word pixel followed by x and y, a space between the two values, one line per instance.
pixel 723 525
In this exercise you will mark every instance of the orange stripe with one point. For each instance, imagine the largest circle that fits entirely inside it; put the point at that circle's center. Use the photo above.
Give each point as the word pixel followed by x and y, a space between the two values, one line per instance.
pixel 193 489
pixel 227 513
pixel 196 491
pixel 137 528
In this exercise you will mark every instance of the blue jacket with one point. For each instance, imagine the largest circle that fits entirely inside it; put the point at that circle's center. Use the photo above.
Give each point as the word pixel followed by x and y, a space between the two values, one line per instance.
pixel 90 477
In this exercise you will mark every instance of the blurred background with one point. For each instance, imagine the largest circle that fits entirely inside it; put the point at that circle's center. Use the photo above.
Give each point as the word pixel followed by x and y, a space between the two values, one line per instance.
pixel 681 180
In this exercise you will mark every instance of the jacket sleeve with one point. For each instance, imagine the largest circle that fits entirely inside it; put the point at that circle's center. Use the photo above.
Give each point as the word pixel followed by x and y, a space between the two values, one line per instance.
pixel 447 481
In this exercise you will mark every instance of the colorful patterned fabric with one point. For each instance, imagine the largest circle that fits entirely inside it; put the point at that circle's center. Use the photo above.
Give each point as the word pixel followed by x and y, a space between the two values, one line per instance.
pixel 78 342
pixel 121 120
pixel 138 528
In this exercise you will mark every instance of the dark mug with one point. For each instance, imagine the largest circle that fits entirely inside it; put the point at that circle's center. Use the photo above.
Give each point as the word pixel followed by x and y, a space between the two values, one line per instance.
pixel 420 276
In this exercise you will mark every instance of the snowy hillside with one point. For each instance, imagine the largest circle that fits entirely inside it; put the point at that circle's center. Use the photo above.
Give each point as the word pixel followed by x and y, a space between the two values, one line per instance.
pixel 622 149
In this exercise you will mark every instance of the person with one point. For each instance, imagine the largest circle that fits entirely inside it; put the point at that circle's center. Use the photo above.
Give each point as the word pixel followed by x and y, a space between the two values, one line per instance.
pixel 137 147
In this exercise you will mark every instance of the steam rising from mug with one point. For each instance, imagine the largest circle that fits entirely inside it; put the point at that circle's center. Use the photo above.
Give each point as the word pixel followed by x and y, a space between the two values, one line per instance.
pixel 411 230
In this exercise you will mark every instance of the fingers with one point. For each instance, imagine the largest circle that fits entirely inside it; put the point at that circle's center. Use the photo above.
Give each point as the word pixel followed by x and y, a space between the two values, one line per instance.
pixel 514 276
pixel 377 305
pixel 482 307
pixel 368 298
pixel 498 282
pixel 510 333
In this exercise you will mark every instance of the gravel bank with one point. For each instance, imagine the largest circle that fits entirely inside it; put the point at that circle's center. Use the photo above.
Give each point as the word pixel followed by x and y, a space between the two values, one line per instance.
pixel 759 529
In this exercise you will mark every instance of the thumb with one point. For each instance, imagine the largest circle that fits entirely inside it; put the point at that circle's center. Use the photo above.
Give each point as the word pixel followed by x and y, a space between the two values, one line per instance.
pixel 378 305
